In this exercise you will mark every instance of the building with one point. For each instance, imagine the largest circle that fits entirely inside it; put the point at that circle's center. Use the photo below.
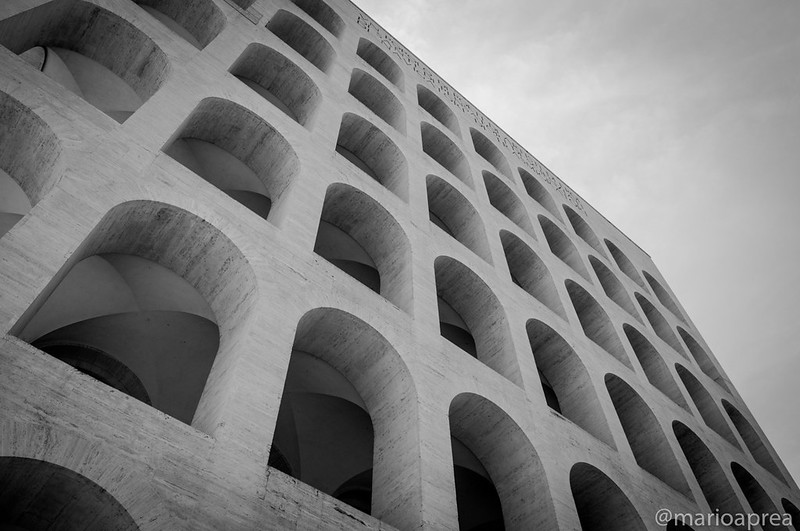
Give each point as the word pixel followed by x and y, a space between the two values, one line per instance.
pixel 261 268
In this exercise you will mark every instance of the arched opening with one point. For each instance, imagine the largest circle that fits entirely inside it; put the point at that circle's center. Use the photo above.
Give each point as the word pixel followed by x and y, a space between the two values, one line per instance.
pixel 140 307
pixel 377 98
pixel 444 151
pixel 792 510
pixel 454 214
pixel 28 153
pixel 660 325
pixel 654 367
pixel 380 61
pixel 706 405
pixel 595 322
pixel 360 237
pixel 529 272
pixel 38 496
pixel 663 296
pixel 646 438
pixel 562 247
pixel 565 381
pixel 347 404
pixel 506 201
pixel 614 288
pixel 500 483
pixel 437 109
pixel 583 230
pixel 486 149
pixel 235 150
pixel 752 440
pixel 708 472
pixel 600 503
pixel 279 81
pixel 302 38
pixel 624 264
pixel 756 496
pixel 539 193
pixel 84 48
pixel 702 359
pixel 370 150
pixel 323 14
pixel 479 312
pixel 196 21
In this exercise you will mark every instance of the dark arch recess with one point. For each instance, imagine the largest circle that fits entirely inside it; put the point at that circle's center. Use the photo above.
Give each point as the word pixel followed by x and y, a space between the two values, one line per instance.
pixel 600 503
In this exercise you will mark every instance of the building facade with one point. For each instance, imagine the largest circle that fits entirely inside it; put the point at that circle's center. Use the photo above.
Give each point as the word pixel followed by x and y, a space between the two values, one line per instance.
pixel 261 268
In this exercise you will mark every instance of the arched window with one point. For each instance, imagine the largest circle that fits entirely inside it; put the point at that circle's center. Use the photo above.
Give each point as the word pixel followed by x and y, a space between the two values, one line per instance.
pixel 141 305
pixel 486 149
pixel 600 503
pixel 663 296
pixel 595 322
pixel 529 272
pixel 347 399
pixel 279 81
pixel 39 495
pixel 646 438
pixel 566 382
pixel 583 230
pixel 703 359
pixel 372 54
pixel 752 440
pixel 539 193
pixel 756 496
pixel 506 201
pixel 792 510
pixel 624 264
pixel 660 325
pixel 654 367
pixel 499 480
pixel 196 21
pixel 323 14
pixel 614 288
pixel 85 48
pixel 562 247
pixel 377 98
pixel 438 109
pixel 708 472
pixel 706 405
pixel 360 237
pixel 444 151
pixel 232 148
pixel 453 213
pixel 28 153
pixel 302 38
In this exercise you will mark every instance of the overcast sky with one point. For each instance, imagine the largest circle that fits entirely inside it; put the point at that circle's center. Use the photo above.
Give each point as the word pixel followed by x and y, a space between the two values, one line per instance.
pixel 680 122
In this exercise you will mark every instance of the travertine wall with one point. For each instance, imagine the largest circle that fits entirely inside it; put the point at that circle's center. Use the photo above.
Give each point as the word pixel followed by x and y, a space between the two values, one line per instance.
pixel 104 186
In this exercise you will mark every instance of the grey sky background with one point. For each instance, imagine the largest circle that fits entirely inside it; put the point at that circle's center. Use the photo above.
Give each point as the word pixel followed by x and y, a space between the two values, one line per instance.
pixel 680 122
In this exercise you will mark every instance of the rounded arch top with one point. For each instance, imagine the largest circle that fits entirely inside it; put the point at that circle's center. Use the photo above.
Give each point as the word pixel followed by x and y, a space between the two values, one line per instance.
pixel 437 108
pixel 324 14
pixel 490 152
pixel 202 20
pixel 600 503
pixel 381 62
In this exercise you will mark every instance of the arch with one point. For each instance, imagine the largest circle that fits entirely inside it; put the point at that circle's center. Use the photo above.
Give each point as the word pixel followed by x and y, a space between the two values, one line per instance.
pixel 595 322
pixel 706 405
pixel 302 38
pixel 323 14
pixel 484 440
pixel 440 148
pixel 646 438
pixel 380 61
pixel 707 471
pixel 28 153
pixel 792 510
pixel 756 496
pixel 159 290
pixel 377 98
pixel 437 109
pixel 663 296
pixel 654 367
pixel 561 369
pixel 582 229
pixel 360 237
pixel 614 288
pixel 702 359
pixel 196 21
pixel 37 495
pixel 453 213
pixel 235 150
pixel 562 247
pixel 529 272
pixel 343 372
pixel 752 440
pixel 480 309
pixel 600 503
pixel 279 81
pixel 506 201
pixel 539 193
pixel 84 47
pixel 624 264
pixel 374 153
pixel 660 325
pixel 490 152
